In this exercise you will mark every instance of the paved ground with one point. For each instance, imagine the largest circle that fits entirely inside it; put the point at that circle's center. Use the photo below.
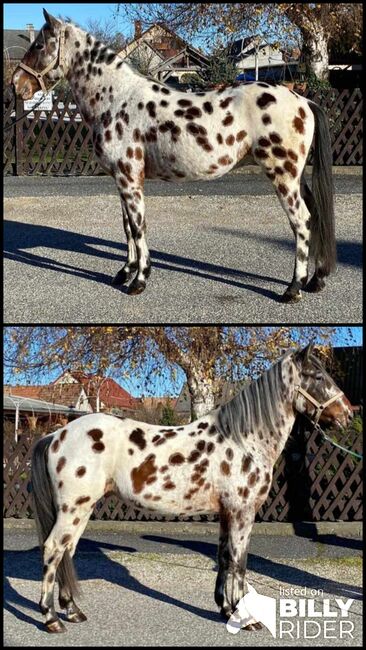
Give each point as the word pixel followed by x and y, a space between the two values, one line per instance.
pixel 221 251
pixel 154 586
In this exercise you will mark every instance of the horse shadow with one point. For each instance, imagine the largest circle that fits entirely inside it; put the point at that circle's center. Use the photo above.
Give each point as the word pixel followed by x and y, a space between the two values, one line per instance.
pixel 19 237
pixel 26 566
pixel 266 567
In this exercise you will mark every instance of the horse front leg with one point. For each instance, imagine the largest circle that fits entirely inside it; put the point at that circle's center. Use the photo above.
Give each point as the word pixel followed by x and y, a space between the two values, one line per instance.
pixel 124 275
pixel 239 523
pixel 133 209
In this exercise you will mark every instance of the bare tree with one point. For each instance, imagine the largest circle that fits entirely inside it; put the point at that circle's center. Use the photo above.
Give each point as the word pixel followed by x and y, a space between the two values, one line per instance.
pixel 106 32
pixel 206 354
pixel 280 23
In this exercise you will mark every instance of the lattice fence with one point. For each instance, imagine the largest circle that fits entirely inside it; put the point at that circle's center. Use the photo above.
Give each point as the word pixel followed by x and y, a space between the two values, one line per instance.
pixel 59 142
pixel 313 481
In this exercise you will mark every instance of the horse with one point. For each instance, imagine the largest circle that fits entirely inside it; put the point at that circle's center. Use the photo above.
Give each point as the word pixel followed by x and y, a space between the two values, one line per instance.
pixel 221 463
pixel 143 128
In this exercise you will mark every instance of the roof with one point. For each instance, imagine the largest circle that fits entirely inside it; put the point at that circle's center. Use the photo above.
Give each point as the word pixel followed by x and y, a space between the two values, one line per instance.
pixel 66 394
pixel 166 51
pixel 110 392
pixel 16 42
pixel 12 402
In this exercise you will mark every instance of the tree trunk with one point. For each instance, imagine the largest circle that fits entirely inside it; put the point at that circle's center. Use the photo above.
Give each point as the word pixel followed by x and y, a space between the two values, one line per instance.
pixel 202 396
pixel 315 53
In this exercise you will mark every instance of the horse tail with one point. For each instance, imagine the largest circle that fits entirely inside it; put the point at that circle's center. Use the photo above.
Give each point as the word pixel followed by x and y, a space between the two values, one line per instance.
pixel 322 240
pixel 45 512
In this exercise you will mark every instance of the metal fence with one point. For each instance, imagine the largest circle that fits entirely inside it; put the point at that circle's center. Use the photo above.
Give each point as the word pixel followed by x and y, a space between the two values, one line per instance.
pixel 59 142
pixel 312 481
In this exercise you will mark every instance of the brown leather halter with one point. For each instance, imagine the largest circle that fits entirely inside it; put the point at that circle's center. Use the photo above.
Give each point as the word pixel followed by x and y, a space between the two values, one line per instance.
pixel 58 61
pixel 319 408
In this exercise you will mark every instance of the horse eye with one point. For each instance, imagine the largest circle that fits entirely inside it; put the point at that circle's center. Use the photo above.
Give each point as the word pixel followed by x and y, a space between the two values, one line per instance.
pixel 39 46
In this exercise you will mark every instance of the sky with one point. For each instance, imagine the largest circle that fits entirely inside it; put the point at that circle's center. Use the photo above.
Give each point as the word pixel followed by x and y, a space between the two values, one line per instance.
pixel 164 385
pixel 17 15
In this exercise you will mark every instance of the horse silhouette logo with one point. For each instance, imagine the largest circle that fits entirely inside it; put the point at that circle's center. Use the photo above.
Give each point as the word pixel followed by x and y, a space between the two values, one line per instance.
pixel 253 608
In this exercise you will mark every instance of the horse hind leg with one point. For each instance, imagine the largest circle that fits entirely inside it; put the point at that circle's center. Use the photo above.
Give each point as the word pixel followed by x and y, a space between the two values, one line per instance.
pixel 58 564
pixel 316 283
pixel 287 185
pixel 65 578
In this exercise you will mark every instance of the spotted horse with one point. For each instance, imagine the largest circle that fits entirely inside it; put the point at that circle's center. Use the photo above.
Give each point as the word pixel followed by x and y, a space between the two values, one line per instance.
pixel 145 129
pixel 221 463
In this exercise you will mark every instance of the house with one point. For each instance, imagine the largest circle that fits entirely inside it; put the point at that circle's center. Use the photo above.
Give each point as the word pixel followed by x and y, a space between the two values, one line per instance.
pixel 70 395
pixel 273 63
pixel 102 393
pixel 16 44
pixel 162 54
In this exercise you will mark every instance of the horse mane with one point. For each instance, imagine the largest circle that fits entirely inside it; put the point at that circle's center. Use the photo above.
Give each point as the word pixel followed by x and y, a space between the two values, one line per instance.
pixel 255 407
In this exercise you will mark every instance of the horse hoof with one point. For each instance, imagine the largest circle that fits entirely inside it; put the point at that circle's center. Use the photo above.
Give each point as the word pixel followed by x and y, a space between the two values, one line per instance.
pixel 315 285
pixel 136 287
pixel 291 297
pixel 122 277
pixel 252 627
pixel 76 617
pixel 55 627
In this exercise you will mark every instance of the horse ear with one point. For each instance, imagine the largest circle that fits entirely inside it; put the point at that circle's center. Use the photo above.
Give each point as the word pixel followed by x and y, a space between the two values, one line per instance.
pixel 50 20
pixel 303 356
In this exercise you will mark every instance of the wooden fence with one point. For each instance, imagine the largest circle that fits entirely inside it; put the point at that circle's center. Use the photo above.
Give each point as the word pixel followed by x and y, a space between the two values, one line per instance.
pixel 313 481
pixel 59 142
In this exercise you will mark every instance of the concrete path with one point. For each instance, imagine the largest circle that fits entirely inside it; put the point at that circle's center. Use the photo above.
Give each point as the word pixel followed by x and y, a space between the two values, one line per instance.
pixel 153 586
pixel 222 252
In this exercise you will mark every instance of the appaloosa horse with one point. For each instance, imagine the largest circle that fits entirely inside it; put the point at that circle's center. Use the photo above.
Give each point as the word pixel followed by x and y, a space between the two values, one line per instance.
pixel 222 463
pixel 144 129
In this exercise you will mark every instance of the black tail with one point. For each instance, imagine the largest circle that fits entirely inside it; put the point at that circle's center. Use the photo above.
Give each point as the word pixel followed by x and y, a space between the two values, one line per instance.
pixel 45 512
pixel 322 239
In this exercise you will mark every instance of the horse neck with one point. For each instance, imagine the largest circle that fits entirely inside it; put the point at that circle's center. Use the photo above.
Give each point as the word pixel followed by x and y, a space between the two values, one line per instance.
pixel 86 83
pixel 271 440
pixel 286 410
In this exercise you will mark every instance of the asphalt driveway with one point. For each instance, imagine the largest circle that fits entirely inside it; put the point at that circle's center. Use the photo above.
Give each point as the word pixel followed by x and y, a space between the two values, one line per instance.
pixel 151 584
pixel 221 252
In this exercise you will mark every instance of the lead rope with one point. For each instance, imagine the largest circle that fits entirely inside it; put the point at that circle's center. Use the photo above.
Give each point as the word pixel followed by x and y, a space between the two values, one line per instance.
pixel 318 428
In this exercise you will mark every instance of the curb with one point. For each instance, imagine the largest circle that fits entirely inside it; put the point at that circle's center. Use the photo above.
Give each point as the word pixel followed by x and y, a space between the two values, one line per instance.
pixel 336 169
pixel 301 529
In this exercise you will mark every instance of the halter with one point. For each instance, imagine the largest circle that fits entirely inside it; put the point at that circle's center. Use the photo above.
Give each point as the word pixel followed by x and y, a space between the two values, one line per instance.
pixel 60 58
pixel 319 408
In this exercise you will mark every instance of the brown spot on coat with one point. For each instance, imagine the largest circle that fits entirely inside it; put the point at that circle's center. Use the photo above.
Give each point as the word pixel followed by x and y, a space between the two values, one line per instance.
pixel 55 445
pixel 61 463
pixel 146 470
pixel 298 125
pixel 138 438
pixel 98 447
pixel 81 500
pixel 225 468
pixel 176 459
pixel 229 119
pixel 80 471
pixel 95 434
pixel 246 464
pixel 63 435
pixel 65 539
pixel 265 99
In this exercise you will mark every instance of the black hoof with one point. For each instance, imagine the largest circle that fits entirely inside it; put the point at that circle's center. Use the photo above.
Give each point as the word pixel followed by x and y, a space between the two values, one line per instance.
pixel 55 627
pixel 252 627
pixel 122 277
pixel 291 297
pixel 225 612
pixel 315 285
pixel 137 286
pixel 76 617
